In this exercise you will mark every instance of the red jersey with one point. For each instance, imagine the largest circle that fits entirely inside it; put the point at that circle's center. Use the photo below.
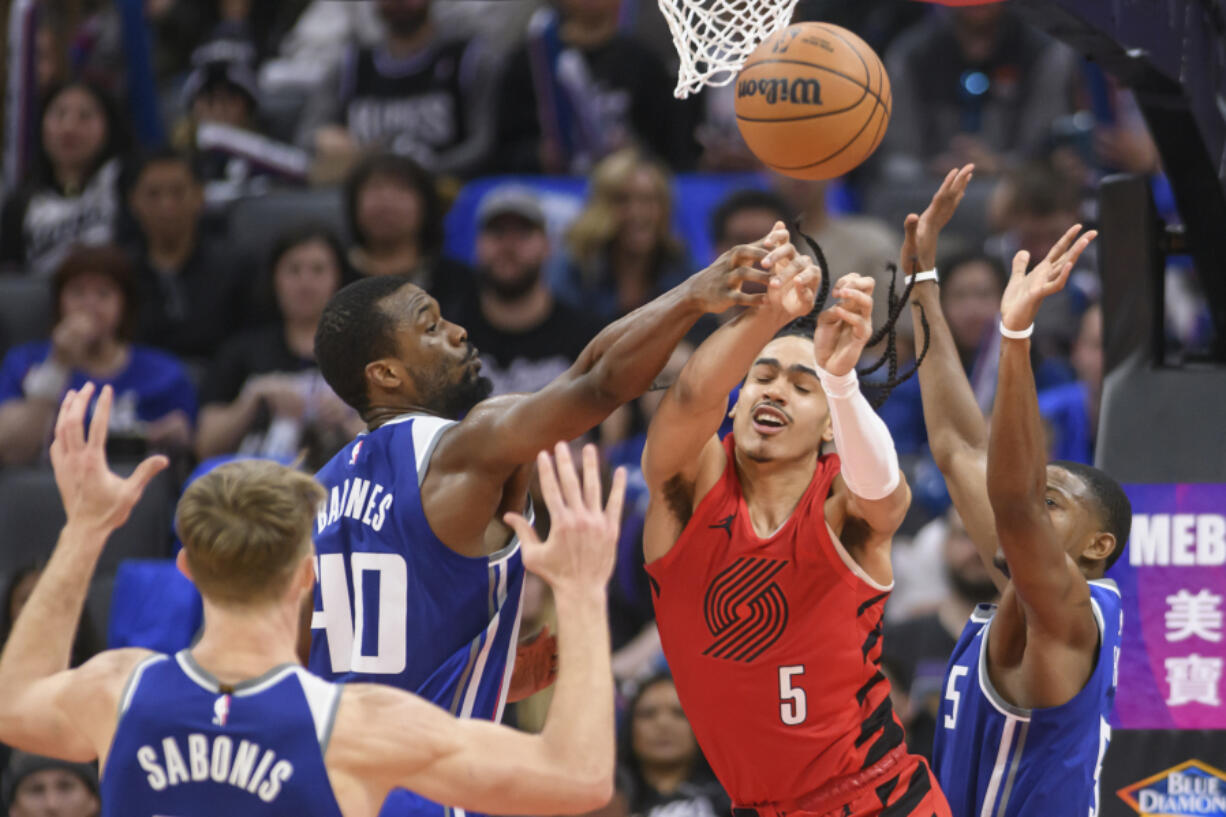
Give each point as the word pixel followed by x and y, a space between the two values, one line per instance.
pixel 774 644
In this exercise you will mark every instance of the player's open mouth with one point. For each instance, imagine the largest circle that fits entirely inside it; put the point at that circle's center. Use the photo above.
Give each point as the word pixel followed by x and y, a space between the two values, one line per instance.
pixel 768 420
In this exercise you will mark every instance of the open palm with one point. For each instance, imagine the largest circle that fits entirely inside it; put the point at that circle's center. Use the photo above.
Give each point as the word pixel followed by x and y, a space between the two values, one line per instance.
pixel 1026 291
pixel 92 494
pixel 921 232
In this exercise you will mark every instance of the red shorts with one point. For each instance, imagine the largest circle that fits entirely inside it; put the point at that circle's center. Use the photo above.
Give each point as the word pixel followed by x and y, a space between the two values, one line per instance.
pixel 899 785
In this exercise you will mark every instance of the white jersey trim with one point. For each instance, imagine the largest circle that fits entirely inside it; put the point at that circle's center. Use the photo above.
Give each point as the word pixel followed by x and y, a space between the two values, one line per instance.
pixel 129 690
pixel 985 683
pixel 209 682
pixel 426 431
pixel 323 699
pixel 1107 584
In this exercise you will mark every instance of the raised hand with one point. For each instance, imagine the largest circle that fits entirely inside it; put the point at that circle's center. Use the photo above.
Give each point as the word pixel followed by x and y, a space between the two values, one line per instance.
pixel 1026 291
pixel 795 277
pixel 719 286
pixel 92 494
pixel 844 328
pixel 582 544
pixel 920 233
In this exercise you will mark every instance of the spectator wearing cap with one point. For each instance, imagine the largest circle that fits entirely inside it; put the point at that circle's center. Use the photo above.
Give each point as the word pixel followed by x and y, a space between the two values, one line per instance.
pixel 37 786
pixel 526 337
pixel 94 306
pixel 396 219
pixel 220 100
pixel 193 296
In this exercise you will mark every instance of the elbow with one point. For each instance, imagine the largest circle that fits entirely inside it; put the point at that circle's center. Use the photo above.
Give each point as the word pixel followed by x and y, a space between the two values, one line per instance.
pixel 589 792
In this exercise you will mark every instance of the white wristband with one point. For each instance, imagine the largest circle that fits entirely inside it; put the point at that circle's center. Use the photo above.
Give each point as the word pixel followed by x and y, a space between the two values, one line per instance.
pixel 1016 335
pixel 920 277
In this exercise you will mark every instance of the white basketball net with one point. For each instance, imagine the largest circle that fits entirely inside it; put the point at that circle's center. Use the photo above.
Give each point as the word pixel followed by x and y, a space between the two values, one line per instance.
pixel 715 37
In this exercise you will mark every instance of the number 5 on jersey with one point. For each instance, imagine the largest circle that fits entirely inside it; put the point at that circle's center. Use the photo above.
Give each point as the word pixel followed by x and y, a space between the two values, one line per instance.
pixel 953 695
pixel 793 708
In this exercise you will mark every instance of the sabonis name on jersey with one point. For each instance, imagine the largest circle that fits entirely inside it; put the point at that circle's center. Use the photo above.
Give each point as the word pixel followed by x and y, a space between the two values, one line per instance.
pixel 215 759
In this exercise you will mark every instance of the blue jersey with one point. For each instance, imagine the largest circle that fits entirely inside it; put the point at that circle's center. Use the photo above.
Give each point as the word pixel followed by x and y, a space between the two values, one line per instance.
pixel 994 759
pixel 184 746
pixel 393 604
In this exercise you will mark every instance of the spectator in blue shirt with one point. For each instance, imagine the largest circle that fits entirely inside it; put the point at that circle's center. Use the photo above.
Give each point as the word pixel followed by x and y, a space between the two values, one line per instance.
pixel 94 313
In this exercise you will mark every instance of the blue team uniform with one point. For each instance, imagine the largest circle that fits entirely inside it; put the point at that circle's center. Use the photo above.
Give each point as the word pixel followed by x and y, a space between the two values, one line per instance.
pixel 186 746
pixel 994 759
pixel 394 605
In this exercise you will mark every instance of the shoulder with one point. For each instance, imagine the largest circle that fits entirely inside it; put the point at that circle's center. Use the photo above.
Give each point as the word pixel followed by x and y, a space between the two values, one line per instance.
pixel 107 673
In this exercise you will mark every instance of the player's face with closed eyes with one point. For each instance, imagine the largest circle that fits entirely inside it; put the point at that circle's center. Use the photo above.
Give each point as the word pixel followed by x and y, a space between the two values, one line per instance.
pixel 781 413
pixel 659 731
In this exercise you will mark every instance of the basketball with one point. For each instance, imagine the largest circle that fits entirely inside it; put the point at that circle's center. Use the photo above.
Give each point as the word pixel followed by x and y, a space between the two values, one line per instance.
pixel 813 101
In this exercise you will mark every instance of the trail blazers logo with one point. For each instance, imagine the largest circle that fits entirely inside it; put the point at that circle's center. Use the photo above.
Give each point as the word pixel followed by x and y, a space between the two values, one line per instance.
pixel 1191 789
pixel 745 610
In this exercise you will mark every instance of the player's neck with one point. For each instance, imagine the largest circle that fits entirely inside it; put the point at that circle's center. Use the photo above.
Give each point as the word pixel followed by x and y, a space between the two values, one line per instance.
pixel 243 643
pixel 773 489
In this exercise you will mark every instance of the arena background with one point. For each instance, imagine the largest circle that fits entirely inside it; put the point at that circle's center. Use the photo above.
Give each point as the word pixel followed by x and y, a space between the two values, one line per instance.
pixel 1160 428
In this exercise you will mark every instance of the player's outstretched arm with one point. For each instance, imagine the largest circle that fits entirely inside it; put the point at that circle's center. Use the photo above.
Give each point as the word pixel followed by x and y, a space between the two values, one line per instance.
pixel 878 491
pixel 43 706
pixel 617 366
pixel 957 431
pixel 390 738
pixel 1047 581
pixel 691 412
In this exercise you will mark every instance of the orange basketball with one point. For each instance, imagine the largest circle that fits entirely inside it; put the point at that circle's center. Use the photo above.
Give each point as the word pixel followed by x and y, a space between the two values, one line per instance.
pixel 813 101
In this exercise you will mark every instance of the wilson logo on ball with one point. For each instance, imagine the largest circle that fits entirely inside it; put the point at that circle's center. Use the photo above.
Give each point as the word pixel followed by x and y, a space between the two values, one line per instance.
pixel 798 90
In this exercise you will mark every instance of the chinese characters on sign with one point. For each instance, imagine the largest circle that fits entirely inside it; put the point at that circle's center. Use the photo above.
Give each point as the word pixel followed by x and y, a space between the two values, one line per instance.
pixel 1194 678
pixel 1173 584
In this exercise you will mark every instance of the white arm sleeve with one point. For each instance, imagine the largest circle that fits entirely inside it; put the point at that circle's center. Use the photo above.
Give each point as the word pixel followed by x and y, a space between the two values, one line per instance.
pixel 870 463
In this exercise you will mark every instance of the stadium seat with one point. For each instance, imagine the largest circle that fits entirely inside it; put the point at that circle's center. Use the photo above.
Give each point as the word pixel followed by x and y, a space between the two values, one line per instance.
pixel 256 223
pixel 31 517
pixel 25 310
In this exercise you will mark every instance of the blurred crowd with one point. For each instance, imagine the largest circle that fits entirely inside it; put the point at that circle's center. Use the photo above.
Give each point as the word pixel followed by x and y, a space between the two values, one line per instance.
pixel 187 182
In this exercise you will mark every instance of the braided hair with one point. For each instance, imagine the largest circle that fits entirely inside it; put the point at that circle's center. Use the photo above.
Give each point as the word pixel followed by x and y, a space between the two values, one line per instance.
pixel 806 326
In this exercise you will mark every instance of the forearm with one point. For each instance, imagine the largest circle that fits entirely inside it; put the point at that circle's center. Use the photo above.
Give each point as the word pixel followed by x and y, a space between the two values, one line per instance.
pixel 1017 455
pixel 579 731
pixel 865 447
pixel 40 644
pixel 951 414
pixel 722 360
pixel 623 360
pixel 24 427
